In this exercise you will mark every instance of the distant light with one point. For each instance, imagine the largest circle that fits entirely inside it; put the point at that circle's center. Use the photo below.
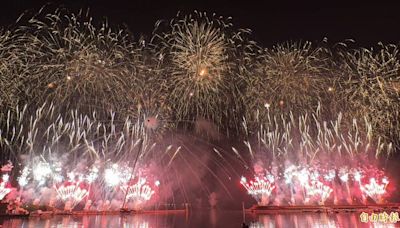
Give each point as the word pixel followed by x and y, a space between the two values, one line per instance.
pixel 6 177
pixel 51 85
pixel 344 177
pixel 111 178
pixel 357 176
pixel 203 72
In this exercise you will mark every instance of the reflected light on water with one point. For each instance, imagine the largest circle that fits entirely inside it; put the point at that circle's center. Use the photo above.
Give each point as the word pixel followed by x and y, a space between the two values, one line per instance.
pixel 211 218
pixel 314 220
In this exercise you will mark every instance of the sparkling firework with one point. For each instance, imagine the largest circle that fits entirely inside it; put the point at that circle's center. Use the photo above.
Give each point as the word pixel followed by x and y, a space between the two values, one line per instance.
pixel 319 190
pixel 371 88
pixel 70 57
pixel 204 52
pixel 316 185
pixel 117 175
pixel 139 192
pixel 199 71
pixel 290 77
pixel 44 171
pixel 4 190
pixel 10 63
pixel 71 193
pixel 309 137
pixel 94 173
pixel 5 178
pixel 261 188
pixel 23 179
pixel 375 190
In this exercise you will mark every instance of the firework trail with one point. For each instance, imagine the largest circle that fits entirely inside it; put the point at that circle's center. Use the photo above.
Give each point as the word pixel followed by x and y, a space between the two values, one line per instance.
pixel 77 64
pixel 371 87
pixel 309 158
pixel 9 70
pixel 53 148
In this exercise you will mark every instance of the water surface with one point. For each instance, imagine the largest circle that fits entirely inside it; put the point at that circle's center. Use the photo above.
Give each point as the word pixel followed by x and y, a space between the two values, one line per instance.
pixel 213 219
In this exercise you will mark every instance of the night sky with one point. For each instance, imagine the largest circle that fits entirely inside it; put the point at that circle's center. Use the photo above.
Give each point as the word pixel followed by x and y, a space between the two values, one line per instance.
pixel 271 23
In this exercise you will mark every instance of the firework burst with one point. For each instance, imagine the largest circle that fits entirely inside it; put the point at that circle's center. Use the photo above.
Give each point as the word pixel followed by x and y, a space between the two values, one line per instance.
pixel 139 192
pixel 9 70
pixel 371 87
pixel 308 156
pixel 77 64
pixel 289 77
pixel 201 57
pixel 117 175
pixel 261 188
pixel 199 72
pixel 71 194
pixel 4 190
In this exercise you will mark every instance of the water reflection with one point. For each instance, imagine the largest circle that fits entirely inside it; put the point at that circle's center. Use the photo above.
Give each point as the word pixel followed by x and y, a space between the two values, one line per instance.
pixel 314 220
pixel 212 218
pixel 137 221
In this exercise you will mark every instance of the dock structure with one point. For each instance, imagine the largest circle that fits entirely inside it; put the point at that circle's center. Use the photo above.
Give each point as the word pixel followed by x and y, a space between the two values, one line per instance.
pixel 94 212
pixel 322 208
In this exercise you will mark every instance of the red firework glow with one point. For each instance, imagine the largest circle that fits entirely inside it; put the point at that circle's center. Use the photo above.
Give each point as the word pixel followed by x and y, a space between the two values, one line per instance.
pixel 71 194
pixel 140 191
pixel 261 188
pixel 300 185
pixel 4 190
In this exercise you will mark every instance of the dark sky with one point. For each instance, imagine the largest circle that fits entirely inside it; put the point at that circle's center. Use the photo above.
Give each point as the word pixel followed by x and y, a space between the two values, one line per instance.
pixel 271 22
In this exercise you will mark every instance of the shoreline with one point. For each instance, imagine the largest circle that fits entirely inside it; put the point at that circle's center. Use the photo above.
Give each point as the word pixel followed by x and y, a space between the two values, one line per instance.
pixel 323 208
pixel 84 213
